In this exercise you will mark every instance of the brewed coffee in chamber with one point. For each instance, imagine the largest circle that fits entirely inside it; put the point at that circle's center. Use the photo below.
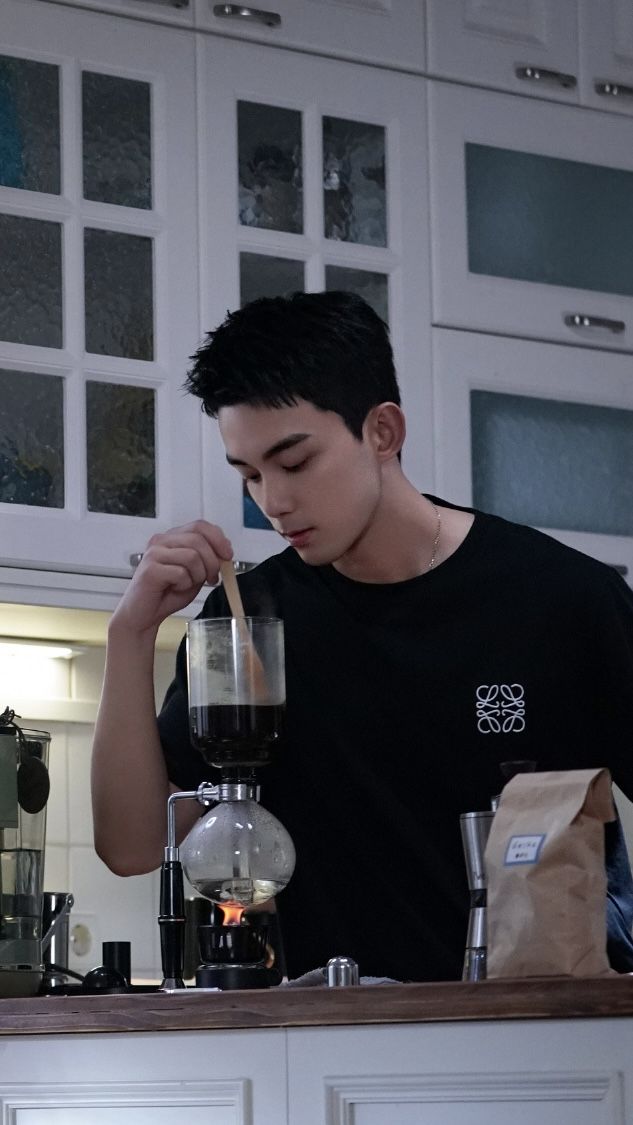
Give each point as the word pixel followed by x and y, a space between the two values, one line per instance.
pixel 236 687
pixel 236 734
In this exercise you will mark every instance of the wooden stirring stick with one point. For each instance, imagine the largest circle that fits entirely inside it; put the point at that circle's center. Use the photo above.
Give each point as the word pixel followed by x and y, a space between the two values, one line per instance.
pixel 256 673
pixel 231 588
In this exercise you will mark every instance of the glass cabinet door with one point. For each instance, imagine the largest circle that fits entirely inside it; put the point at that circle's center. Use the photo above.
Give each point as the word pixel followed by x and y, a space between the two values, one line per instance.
pixel 97 289
pixel 314 178
pixel 538 434
pixel 532 218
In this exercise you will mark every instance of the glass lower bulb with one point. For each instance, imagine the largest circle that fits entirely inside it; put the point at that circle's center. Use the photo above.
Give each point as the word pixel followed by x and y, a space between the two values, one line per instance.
pixel 238 853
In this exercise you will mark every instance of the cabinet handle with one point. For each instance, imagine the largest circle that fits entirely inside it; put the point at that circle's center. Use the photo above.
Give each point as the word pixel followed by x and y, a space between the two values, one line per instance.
pixel 582 320
pixel 135 559
pixel 540 74
pixel 251 15
pixel 613 89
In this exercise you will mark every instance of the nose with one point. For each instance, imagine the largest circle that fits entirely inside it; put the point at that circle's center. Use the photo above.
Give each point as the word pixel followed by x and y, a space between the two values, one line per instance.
pixel 276 500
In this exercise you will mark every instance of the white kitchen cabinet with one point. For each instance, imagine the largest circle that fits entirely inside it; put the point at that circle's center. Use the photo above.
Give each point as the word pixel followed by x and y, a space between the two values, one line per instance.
pixel 538 434
pixel 531 218
pixel 204 1078
pixel 361 223
pixel 387 32
pixel 99 304
pixel 485 1073
pixel 562 50
pixel 527 46
pixel 322 184
pixel 606 54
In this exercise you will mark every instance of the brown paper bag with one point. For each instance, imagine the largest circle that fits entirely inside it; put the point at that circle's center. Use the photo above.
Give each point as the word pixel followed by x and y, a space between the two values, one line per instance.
pixel 546 876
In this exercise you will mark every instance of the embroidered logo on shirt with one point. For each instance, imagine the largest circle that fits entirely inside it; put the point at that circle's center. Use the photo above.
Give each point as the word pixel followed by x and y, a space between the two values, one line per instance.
pixel 500 708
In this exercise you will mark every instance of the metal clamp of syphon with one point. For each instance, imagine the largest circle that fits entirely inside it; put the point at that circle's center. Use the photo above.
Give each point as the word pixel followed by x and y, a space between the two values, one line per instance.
pixel 171 918
pixel 207 795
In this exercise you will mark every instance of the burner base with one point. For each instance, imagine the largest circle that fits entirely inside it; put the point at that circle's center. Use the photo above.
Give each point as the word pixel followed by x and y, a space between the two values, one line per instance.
pixel 229 976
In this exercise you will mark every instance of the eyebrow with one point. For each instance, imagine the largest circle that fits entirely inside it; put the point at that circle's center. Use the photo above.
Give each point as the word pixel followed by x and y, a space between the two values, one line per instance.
pixel 279 447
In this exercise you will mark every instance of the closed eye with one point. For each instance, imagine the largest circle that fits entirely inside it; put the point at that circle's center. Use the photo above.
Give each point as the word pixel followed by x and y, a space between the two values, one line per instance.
pixel 296 468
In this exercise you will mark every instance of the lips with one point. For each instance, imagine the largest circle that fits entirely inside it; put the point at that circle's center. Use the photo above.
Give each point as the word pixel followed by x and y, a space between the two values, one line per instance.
pixel 297 538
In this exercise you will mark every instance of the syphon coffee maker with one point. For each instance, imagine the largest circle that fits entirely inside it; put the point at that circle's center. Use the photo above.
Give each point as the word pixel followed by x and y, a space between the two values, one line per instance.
pixel 238 855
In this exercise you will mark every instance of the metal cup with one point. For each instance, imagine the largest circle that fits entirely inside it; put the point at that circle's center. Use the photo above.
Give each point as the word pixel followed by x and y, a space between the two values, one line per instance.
pixel 475 828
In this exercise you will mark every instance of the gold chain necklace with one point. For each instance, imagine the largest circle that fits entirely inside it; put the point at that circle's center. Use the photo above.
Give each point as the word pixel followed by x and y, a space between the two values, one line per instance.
pixel 436 541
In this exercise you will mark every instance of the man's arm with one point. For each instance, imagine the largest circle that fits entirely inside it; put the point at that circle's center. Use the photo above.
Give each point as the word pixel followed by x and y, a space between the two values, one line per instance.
pixel 130 785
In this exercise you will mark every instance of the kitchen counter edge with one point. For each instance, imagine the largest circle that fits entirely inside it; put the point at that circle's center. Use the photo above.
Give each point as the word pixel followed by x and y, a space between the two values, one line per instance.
pixel 192 1010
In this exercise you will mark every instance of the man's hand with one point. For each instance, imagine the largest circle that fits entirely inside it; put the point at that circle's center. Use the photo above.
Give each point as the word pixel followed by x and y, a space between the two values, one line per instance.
pixel 174 568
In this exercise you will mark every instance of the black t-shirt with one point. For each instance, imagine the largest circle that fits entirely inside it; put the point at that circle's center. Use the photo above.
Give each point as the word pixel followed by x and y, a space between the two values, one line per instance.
pixel 402 700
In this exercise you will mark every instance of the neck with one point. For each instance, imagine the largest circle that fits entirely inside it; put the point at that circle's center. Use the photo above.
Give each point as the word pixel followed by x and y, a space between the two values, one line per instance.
pixel 399 542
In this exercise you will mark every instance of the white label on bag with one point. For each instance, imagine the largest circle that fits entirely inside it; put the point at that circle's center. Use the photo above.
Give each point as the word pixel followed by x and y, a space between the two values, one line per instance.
pixel 523 849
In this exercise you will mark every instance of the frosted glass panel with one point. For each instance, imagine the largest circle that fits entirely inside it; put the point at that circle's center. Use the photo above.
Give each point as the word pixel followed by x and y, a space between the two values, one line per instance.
pixel 121 449
pixel 29 125
pixel 264 276
pixel 31 439
pixel 558 222
pixel 119 294
pixel 270 167
pixel 564 465
pixel 30 281
pixel 372 286
pixel 354 201
pixel 116 140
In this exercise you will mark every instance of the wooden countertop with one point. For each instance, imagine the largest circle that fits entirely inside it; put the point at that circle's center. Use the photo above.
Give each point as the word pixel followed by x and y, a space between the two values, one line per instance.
pixel 190 1010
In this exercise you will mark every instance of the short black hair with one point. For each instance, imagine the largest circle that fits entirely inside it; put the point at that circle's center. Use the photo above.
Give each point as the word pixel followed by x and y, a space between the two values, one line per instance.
pixel 330 349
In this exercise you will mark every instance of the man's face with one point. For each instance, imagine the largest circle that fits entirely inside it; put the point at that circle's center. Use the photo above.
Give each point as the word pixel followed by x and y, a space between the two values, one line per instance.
pixel 318 485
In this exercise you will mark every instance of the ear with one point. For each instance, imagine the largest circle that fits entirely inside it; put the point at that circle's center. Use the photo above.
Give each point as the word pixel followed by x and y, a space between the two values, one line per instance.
pixel 385 429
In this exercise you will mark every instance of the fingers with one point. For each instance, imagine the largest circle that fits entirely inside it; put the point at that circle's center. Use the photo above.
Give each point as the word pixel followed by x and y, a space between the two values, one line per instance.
pixel 175 566
pixel 197 548
pixel 178 570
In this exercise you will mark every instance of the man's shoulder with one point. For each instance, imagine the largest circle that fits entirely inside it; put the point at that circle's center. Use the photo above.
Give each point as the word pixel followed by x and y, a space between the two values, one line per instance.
pixel 544 560
pixel 522 546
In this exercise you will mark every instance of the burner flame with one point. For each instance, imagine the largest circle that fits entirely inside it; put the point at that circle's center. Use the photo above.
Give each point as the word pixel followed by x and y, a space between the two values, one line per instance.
pixel 231 913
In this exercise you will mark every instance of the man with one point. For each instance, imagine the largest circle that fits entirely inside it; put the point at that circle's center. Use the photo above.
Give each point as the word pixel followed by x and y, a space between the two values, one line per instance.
pixel 425 644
